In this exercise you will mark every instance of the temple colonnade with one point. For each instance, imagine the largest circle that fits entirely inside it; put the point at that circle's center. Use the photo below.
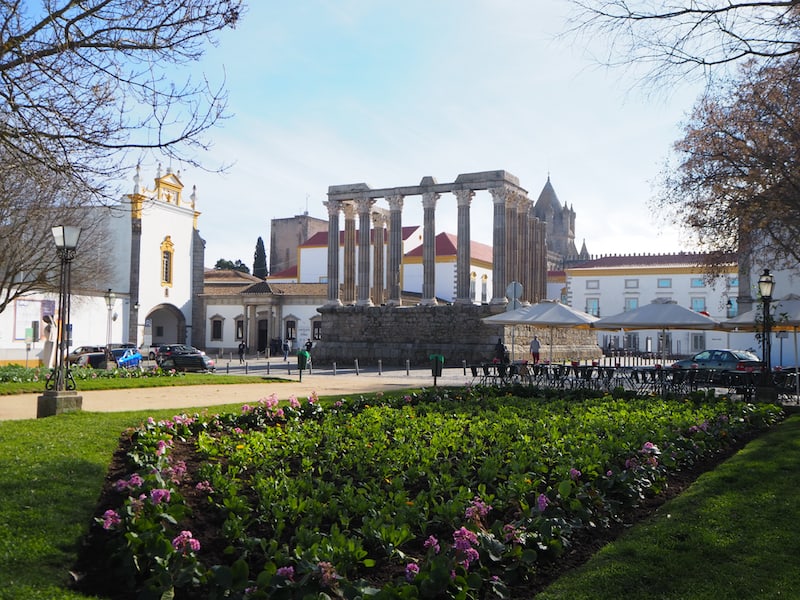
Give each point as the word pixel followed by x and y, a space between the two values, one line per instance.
pixel 519 249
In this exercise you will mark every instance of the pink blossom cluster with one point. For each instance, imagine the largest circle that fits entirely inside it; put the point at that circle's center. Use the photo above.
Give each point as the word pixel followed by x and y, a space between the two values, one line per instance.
pixel 464 541
pixel 286 572
pixel 159 496
pixel 111 519
pixel 185 542
pixel 327 573
pixel 477 509
pixel 134 482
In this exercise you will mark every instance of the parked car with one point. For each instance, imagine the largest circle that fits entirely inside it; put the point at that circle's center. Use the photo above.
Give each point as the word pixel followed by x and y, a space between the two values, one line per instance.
pixel 721 360
pixel 151 351
pixel 126 357
pixel 167 350
pixel 73 356
pixel 188 361
pixel 95 360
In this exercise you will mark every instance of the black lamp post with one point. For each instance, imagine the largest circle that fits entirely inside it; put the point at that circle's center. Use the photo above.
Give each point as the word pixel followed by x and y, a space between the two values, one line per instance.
pixel 766 285
pixel 66 239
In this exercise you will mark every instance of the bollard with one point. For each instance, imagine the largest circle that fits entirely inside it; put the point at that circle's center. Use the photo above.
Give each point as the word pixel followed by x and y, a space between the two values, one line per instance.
pixel 334 368
pixel 245 368
pixel 357 373
pixel 267 367
pixel 464 366
pixel 408 367
pixel 380 367
pixel 227 368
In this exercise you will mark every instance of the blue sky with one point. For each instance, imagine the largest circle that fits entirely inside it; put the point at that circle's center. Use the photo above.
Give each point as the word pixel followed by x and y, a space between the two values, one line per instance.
pixel 333 92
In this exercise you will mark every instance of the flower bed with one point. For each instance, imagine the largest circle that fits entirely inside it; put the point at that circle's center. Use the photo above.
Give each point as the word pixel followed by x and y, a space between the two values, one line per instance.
pixel 445 494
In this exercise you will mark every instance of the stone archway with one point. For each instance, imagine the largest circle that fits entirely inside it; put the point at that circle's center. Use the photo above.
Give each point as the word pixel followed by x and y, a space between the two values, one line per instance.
pixel 167 324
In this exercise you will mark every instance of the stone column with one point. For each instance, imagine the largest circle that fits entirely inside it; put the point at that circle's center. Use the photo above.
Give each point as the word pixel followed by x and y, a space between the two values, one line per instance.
pixel 395 254
pixel 539 258
pixel 363 205
pixel 512 262
pixel 378 242
pixel 463 257
pixel 499 282
pixel 349 287
pixel 429 248
pixel 525 252
pixel 334 207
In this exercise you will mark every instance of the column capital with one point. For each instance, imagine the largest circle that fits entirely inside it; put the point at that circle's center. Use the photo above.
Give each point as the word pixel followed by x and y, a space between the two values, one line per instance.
pixel 349 210
pixel 429 199
pixel 464 197
pixel 395 201
pixel 333 206
pixel 378 219
pixel 364 204
pixel 499 194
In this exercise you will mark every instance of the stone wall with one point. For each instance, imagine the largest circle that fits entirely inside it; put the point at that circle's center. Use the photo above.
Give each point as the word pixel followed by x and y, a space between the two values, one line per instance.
pixel 394 334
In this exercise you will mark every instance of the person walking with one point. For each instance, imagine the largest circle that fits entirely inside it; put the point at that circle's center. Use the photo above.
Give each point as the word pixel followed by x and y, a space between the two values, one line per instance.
pixel 535 346
pixel 287 347
pixel 242 349
pixel 500 351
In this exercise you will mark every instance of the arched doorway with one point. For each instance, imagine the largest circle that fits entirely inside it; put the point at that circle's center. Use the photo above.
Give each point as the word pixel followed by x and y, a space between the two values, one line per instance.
pixel 167 325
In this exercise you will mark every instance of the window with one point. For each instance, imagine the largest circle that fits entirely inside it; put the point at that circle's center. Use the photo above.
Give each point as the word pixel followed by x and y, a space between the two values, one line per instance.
pixel 631 304
pixel 593 306
pixel 733 282
pixel 698 342
pixel 484 289
pixel 592 284
pixel 699 304
pixel 697 282
pixel 291 329
pixel 664 283
pixel 216 329
pixel 316 330
pixel 631 284
pixel 167 252
pixel 159 331
pixel 239 328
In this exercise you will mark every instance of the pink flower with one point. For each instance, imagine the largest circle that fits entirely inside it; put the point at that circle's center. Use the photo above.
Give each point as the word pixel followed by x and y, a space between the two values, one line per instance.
pixel 412 569
pixel 477 509
pixel 158 495
pixel 432 542
pixel 286 572
pixel 294 402
pixel 111 519
pixel 327 573
pixel 464 538
pixel 204 486
pixel 184 543
pixel 574 474
pixel 542 502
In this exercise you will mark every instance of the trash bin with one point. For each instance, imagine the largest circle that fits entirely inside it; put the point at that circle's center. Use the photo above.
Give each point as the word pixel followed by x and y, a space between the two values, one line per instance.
pixel 302 359
pixel 437 362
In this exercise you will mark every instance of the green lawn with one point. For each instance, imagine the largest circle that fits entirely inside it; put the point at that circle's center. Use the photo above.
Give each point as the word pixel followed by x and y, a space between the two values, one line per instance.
pixel 730 535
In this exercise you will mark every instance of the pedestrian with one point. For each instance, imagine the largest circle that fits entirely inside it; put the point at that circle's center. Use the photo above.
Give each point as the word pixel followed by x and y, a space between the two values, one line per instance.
pixel 309 345
pixel 242 349
pixel 500 351
pixel 535 346
pixel 287 347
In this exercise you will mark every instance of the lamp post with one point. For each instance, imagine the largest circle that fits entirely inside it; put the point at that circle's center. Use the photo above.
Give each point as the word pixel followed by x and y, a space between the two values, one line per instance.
pixel 766 285
pixel 109 297
pixel 59 395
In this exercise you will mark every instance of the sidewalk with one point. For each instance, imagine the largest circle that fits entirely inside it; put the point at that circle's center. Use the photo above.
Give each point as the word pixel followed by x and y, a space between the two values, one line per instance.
pixel 323 382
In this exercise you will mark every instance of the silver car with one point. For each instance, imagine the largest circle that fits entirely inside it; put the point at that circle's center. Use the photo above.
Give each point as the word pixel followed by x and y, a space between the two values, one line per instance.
pixel 721 360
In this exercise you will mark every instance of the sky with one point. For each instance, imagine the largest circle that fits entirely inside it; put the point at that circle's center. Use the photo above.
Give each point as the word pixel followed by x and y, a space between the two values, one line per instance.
pixel 331 92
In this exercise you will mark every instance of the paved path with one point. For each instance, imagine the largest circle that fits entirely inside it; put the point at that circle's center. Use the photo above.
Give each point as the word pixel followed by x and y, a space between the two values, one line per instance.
pixel 323 382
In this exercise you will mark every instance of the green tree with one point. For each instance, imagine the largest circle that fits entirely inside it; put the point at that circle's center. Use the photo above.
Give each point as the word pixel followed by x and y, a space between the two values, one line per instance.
pixel 737 180
pixel 260 260
pixel 225 264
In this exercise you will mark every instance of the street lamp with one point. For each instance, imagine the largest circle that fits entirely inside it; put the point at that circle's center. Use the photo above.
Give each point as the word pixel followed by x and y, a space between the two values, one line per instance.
pixel 66 239
pixel 766 284
pixel 110 297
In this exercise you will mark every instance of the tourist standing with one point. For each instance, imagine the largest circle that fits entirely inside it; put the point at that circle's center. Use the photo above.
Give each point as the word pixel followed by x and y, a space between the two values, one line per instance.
pixel 535 346
pixel 242 348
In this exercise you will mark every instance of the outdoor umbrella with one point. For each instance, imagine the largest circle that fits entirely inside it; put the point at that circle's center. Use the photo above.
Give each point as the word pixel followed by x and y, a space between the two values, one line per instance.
pixel 549 314
pixel 658 315
pixel 785 317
